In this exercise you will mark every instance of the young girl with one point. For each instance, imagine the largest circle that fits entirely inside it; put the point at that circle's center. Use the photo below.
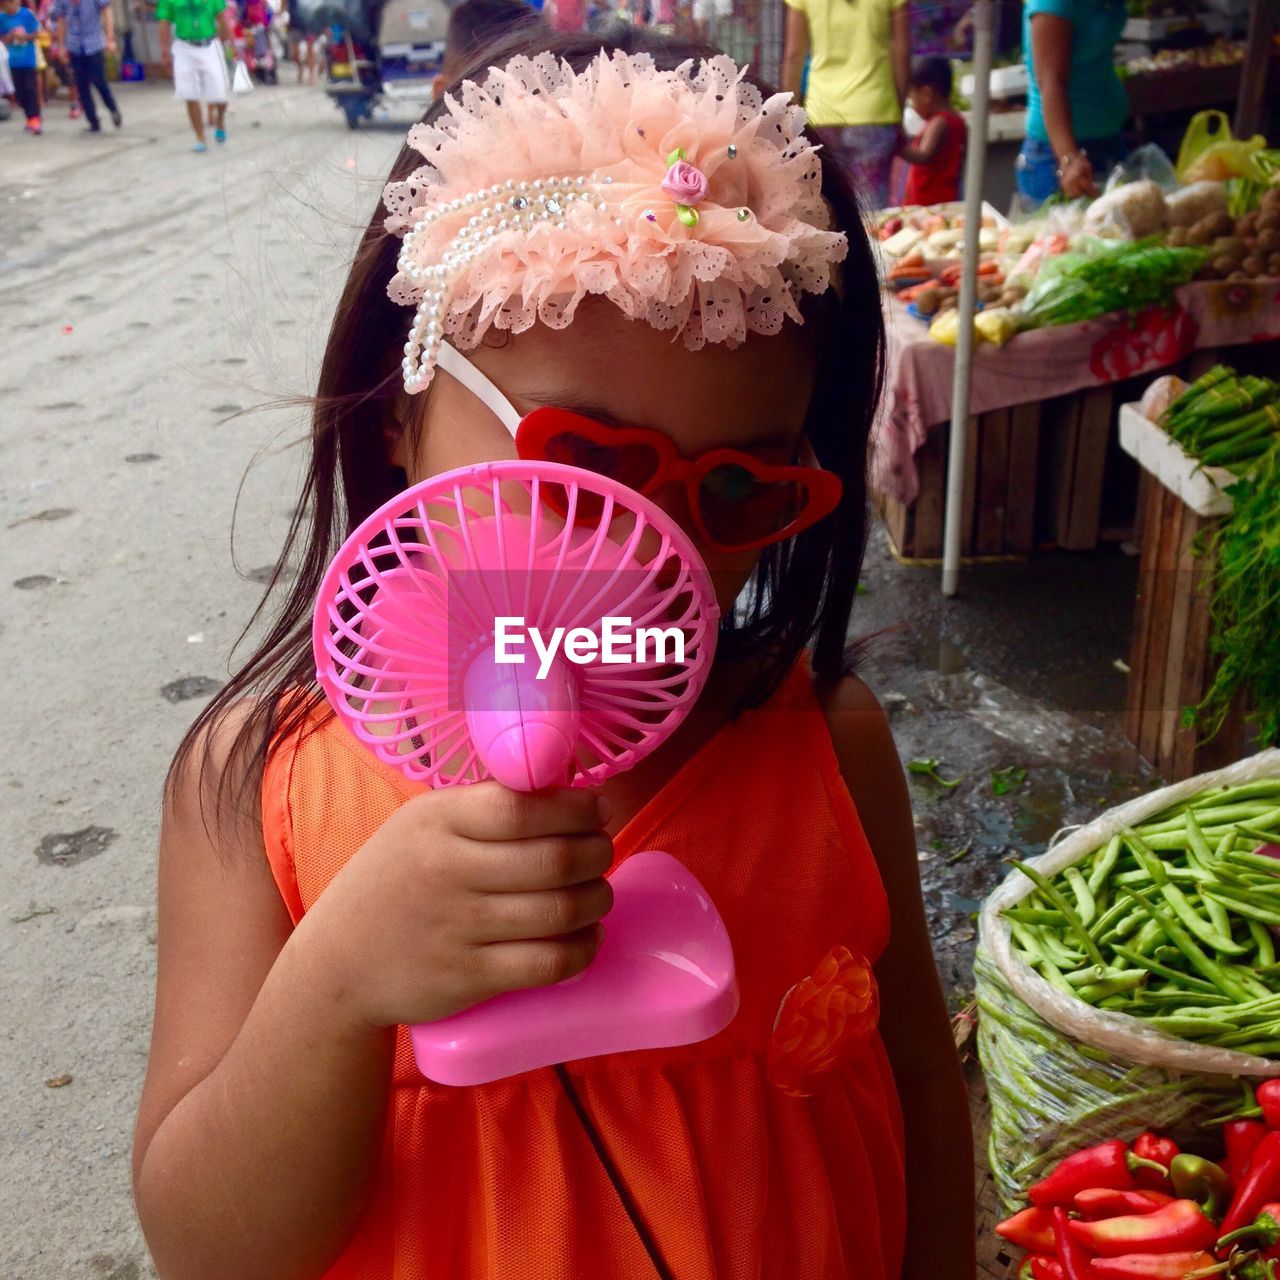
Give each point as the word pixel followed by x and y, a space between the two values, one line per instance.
pixel 706 279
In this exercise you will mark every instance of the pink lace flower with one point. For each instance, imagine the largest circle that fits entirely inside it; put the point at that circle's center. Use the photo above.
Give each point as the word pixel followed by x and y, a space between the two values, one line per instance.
pixel 825 1019
pixel 685 183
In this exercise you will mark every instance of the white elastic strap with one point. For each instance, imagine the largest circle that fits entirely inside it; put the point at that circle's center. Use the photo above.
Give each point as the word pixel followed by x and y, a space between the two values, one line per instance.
pixel 458 367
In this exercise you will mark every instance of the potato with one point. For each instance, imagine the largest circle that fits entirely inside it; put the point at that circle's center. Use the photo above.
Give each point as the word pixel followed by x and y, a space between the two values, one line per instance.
pixel 1223 224
pixel 1254 266
pixel 1269 222
pixel 1177 237
pixel 1250 244
pixel 1248 225
pixel 1227 247
pixel 1273 265
pixel 1269 239
pixel 1237 277
pixel 1201 232
pixel 927 302
pixel 1225 266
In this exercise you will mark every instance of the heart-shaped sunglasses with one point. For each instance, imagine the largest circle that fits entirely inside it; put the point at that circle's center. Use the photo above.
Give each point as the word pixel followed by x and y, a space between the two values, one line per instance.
pixel 737 502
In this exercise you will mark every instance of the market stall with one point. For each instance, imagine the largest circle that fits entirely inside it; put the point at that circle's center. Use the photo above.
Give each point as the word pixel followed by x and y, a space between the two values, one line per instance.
pixel 1196 270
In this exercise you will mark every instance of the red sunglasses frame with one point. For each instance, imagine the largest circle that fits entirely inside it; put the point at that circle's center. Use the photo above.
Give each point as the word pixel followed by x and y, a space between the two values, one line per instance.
pixel 534 430
pixel 540 426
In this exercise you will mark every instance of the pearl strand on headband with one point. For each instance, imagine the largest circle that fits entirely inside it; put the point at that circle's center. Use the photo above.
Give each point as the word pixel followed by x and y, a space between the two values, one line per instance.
pixel 506 206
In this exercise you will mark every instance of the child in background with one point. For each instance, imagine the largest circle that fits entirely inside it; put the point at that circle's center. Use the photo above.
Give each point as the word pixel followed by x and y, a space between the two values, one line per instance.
pixel 936 153
pixel 636 235
pixel 19 28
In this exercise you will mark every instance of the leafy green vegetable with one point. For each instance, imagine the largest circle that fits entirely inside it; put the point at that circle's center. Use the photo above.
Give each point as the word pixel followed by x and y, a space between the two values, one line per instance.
pixel 1108 277
pixel 1244 611
pixel 929 769
pixel 1005 780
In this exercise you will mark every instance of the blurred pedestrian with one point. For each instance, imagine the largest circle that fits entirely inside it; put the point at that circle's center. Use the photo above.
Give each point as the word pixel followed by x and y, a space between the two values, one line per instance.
pixel 860 53
pixel 192 53
pixel 59 60
pixel 302 43
pixel 18 28
pixel 86 31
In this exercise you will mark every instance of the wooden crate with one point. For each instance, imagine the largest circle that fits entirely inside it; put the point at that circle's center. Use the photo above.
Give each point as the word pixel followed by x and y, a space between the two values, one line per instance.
pixel 998 508
pixel 1170 664
pixel 1076 429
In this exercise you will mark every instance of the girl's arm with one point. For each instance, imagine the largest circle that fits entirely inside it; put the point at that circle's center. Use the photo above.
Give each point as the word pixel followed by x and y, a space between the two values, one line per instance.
pixel 262 1114
pixel 1051 40
pixel 795 49
pixel 913 1015
pixel 931 140
pixel 264 1109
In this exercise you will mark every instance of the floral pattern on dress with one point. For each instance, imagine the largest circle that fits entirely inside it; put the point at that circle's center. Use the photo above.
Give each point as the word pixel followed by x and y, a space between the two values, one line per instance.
pixel 824 1020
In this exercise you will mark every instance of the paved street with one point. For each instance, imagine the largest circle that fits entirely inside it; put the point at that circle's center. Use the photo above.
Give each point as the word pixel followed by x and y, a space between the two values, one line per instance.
pixel 146 293
pixel 148 296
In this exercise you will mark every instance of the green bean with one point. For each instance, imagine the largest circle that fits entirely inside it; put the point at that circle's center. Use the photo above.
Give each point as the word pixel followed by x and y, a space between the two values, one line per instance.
pixel 1254 861
pixel 1103 865
pixel 1243 907
pixel 1214 815
pixel 1073 920
pixel 1208 968
pixel 1085 977
pixel 1190 1028
pixel 1033 915
pixel 1267 837
pixel 1263 943
pixel 1096 992
pixel 1190 981
pixel 1149 937
pixel 1178 902
pixel 1113 915
pixel 1260 1049
pixel 1086 905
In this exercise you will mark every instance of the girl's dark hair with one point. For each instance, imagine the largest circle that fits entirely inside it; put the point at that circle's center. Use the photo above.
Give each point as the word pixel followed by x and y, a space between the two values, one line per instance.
pixel 803 589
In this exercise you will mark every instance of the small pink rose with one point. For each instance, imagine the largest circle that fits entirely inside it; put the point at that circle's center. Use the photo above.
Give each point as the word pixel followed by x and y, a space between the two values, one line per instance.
pixel 685 183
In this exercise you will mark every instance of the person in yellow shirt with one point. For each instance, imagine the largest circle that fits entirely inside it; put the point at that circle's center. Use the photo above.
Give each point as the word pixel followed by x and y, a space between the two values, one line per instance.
pixel 860 62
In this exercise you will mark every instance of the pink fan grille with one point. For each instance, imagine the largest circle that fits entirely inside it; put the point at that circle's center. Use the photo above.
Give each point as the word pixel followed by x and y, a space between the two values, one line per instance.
pixel 408 607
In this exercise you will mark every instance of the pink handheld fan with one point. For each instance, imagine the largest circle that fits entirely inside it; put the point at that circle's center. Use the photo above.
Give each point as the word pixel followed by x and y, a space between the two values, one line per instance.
pixel 543 626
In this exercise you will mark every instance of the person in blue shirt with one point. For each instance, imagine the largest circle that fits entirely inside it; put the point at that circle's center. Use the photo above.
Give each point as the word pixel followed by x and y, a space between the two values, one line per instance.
pixel 1076 105
pixel 86 32
pixel 18 29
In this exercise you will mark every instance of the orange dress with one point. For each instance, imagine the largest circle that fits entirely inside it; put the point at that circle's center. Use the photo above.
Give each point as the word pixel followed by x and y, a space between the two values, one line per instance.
pixel 745 1159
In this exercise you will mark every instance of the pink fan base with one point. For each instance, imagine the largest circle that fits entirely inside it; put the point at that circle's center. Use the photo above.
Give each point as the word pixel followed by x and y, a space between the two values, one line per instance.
pixel 664 976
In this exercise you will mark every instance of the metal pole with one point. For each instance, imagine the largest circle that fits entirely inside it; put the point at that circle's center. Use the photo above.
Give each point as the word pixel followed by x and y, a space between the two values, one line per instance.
pixel 983 24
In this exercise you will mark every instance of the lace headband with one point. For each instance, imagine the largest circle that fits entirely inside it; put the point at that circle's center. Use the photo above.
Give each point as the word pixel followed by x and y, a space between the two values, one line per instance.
pixel 684 197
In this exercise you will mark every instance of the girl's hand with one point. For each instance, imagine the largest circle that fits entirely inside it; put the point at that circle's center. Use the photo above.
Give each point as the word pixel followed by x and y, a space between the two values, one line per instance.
pixel 462 894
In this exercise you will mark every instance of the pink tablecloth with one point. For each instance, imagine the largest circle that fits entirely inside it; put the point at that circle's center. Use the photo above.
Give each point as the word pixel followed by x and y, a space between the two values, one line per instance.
pixel 1043 363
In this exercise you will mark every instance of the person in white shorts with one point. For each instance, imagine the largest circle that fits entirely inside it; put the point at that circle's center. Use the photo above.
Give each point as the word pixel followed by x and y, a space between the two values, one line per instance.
pixel 192 51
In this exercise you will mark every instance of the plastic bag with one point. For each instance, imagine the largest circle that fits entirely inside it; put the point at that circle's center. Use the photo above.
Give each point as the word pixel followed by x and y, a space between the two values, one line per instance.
pixel 241 82
pixel 1208 150
pixel 1147 164
pixel 1062 1074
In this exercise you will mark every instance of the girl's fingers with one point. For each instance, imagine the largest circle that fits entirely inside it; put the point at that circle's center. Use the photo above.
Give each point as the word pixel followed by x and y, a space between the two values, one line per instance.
pixel 544 862
pixel 489 811
pixel 553 913
pixel 517 966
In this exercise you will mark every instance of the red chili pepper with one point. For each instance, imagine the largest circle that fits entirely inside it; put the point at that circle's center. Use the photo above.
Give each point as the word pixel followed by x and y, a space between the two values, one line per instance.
pixel 1071 1253
pixel 1261 1233
pixel 1102 1202
pixel 1198 1179
pixel 1032 1230
pixel 1268 1096
pixel 1258 1186
pixel 1047 1269
pixel 1109 1164
pixel 1179 1225
pixel 1153 1266
pixel 1160 1151
pixel 1241 1138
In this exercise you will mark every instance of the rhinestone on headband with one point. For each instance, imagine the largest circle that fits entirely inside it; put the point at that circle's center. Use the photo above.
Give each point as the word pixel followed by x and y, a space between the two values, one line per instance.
pixel 507 206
